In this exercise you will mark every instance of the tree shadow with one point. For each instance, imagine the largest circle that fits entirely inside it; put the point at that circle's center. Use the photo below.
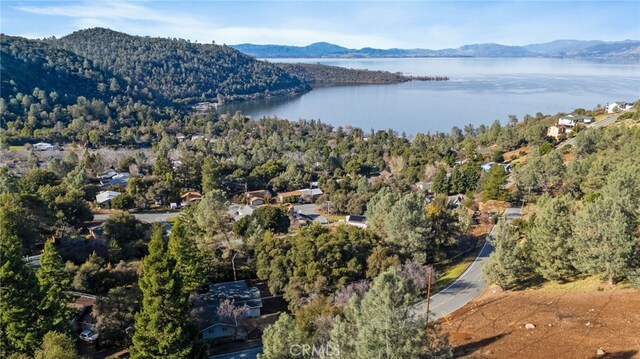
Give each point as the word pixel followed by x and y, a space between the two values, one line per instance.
pixel 471 347
pixel 629 354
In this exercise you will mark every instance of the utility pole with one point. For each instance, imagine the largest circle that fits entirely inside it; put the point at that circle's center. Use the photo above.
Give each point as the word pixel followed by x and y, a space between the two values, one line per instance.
pixel 429 295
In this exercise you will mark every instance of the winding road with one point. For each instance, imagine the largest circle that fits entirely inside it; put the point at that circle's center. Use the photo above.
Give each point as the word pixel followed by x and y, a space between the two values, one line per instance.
pixel 460 292
pixel 467 286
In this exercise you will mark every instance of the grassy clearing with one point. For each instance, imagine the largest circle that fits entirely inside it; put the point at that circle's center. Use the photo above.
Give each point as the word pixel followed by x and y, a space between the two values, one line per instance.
pixel 588 284
pixel 454 270
pixel 16 148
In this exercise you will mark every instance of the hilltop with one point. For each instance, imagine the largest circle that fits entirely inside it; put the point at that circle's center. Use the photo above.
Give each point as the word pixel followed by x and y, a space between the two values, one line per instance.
pixel 179 69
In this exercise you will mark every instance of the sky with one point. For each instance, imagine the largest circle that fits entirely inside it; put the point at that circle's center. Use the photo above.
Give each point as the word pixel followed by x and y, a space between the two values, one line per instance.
pixel 354 24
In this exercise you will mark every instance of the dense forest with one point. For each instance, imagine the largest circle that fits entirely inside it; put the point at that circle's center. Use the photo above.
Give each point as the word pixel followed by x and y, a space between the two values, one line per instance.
pixel 339 75
pixel 179 69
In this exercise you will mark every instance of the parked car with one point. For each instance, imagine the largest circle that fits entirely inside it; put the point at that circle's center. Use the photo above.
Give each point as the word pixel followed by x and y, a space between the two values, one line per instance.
pixel 88 335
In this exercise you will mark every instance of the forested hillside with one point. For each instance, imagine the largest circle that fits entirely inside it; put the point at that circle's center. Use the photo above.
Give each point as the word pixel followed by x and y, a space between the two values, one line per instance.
pixel 335 74
pixel 178 69
pixel 45 89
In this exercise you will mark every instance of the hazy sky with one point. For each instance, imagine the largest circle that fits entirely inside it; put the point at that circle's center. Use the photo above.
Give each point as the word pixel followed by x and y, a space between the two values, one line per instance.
pixel 356 24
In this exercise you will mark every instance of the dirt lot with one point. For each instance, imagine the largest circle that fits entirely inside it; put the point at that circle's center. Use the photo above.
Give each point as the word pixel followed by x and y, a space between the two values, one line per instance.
pixel 568 324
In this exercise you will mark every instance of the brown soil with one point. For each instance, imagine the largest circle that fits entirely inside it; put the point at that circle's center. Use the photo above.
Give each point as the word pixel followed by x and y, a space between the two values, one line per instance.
pixel 511 155
pixel 568 324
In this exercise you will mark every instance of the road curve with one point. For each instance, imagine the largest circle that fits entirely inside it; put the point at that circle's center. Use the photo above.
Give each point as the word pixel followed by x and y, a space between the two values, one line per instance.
pixel 460 292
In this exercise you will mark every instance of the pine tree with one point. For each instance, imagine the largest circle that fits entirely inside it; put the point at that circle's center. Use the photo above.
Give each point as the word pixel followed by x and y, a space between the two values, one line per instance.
pixel 54 282
pixel 457 181
pixel 550 239
pixel 19 295
pixel 606 235
pixel 508 265
pixel 188 258
pixel 210 180
pixel 604 240
pixel 283 339
pixel 378 208
pixel 493 187
pixel 163 329
pixel 381 325
pixel 441 182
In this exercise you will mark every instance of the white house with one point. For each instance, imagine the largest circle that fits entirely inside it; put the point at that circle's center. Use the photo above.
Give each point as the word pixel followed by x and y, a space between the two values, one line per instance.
pixel 43 146
pixel 573 120
pixel 104 198
pixel 619 106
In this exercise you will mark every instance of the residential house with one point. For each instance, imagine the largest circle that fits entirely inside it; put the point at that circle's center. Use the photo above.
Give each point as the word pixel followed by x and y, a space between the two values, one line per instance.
pixel 239 211
pixel 189 197
pixel 356 221
pixel 558 132
pixel 487 166
pixel 43 146
pixel 104 198
pixel 573 120
pixel 256 198
pixel 119 179
pixel 424 186
pixel 616 106
pixel 206 303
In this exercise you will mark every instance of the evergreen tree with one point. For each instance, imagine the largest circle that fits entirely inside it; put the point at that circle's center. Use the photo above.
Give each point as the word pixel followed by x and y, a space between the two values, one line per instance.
pixel 210 174
pixel 606 235
pixel 163 328
pixel 508 265
pixel 378 208
pixel 457 185
pixel 57 345
pixel 283 339
pixel 549 239
pixel 19 296
pixel 189 261
pixel 54 281
pixel 493 187
pixel 381 324
pixel 441 182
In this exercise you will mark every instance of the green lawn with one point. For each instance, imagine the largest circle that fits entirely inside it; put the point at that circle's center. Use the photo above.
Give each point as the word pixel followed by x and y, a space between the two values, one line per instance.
pixel 16 148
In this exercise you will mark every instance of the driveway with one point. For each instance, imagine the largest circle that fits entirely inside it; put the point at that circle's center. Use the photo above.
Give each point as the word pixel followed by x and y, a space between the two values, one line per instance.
pixel 144 217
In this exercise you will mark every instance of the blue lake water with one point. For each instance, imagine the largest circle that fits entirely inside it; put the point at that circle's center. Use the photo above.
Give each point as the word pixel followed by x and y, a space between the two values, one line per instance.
pixel 480 90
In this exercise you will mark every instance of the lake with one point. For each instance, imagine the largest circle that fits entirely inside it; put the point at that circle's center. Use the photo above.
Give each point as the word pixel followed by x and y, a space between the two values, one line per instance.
pixel 480 91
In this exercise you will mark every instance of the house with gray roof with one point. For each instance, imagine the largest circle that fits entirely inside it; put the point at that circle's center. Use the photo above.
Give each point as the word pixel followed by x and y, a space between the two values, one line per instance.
pixel 206 303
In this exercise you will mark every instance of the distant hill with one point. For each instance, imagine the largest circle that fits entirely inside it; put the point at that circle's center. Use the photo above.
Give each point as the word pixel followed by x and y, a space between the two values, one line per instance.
pixel 560 48
pixel 178 69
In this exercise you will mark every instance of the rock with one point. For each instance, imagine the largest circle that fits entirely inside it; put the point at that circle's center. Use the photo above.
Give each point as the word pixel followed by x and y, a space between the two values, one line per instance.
pixel 600 351
pixel 530 326
pixel 588 324
pixel 551 325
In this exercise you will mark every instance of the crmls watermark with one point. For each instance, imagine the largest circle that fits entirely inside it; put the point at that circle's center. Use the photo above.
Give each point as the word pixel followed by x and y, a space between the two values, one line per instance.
pixel 306 350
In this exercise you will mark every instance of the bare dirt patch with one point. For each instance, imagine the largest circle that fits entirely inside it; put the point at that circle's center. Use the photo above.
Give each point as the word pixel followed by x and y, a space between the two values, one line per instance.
pixel 568 324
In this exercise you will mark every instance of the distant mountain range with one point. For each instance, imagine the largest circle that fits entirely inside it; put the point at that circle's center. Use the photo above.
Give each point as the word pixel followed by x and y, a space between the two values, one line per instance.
pixel 628 49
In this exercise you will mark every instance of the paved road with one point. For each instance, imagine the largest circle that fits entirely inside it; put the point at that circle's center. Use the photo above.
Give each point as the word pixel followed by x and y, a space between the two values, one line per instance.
pixel 468 285
pixel 460 292
pixel 242 354
pixel 144 217
pixel 606 122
